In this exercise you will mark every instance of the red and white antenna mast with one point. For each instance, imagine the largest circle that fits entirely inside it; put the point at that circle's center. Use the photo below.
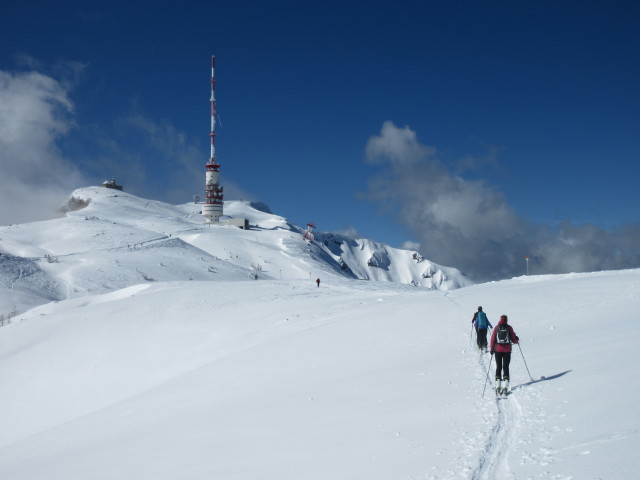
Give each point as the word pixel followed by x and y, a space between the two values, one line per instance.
pixel 212 208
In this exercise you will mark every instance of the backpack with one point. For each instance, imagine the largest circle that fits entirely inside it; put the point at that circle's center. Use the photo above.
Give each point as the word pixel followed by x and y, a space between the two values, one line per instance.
pixel 481 320
pixel 502 335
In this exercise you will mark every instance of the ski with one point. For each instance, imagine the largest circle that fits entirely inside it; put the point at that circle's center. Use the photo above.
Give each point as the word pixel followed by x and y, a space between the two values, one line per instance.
pixel 503 395
pixel 502 389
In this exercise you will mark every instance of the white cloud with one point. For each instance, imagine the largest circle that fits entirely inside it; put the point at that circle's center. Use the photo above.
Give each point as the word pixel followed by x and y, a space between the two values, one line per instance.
pixel 470 225
pixel 409 245
pixel 396 145
pixel 349 231
pixel 35 112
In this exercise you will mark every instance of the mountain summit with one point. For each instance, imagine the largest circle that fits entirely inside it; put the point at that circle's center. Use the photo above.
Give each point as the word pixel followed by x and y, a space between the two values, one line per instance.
pixel 110 239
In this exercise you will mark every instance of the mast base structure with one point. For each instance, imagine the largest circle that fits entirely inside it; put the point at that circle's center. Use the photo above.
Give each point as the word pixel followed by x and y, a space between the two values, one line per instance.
pixel 212 209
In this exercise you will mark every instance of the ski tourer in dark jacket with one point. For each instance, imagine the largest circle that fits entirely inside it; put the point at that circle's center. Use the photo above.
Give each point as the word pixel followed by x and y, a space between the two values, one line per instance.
pixel 474 320
pixel 481 324
pixel 502 347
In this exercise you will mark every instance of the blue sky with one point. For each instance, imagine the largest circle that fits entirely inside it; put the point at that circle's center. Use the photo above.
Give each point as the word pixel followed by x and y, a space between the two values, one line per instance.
pixel 453 126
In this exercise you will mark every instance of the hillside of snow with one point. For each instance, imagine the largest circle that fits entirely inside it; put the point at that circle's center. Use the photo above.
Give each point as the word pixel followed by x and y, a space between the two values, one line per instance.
pixel 140 345
pixel 284 380
pixel 152 241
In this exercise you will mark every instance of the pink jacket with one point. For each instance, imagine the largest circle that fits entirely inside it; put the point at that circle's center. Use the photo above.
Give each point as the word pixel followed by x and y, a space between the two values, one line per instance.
pixel 502 347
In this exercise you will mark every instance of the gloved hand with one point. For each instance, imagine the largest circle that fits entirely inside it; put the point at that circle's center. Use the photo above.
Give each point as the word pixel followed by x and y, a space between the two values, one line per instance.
pixel 492 352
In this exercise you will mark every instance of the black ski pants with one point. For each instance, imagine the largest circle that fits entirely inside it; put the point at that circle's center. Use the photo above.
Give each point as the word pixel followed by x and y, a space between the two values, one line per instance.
pixel 482 337
pixel 503 359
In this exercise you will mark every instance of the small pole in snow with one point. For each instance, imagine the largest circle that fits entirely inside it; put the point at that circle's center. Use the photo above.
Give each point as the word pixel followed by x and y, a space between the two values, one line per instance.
pixel 526 258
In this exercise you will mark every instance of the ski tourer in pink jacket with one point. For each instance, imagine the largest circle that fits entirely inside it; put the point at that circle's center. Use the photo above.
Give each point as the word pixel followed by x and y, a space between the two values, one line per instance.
pixel 502 347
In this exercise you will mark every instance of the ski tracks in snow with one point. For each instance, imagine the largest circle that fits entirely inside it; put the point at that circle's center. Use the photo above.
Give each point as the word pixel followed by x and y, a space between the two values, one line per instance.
pixel 498 445
pixel 494 457
pixel 487 449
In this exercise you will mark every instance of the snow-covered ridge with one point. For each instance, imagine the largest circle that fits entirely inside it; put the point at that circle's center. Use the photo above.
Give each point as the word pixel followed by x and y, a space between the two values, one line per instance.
pixel 110 239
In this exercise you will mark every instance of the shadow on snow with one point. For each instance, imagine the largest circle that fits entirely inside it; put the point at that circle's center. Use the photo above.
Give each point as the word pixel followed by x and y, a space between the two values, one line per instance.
pixel 541 379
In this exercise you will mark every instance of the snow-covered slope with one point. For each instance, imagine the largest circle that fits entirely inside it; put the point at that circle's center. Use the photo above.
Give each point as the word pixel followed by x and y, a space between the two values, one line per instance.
pixel 140 345
pixel 283 380
pixel 376 261
pixel 152 241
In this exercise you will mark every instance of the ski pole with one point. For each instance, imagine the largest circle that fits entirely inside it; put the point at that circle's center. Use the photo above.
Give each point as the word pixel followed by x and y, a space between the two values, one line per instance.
pixel 525 362
pixel 471 336
pixel 487 379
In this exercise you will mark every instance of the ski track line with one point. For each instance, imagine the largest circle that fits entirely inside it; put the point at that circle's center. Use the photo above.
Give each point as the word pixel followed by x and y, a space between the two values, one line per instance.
pixel 494 457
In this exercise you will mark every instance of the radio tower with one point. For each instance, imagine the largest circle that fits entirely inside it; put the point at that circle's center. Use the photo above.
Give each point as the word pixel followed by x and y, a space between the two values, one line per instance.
pixel 212 208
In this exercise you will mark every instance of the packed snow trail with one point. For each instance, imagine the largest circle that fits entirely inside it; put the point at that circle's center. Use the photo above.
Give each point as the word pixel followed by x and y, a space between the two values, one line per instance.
pixel 494 458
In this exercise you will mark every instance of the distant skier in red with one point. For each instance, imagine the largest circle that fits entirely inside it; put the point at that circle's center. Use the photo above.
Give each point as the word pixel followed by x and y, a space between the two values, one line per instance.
pixel 318 282
pixel 501 339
